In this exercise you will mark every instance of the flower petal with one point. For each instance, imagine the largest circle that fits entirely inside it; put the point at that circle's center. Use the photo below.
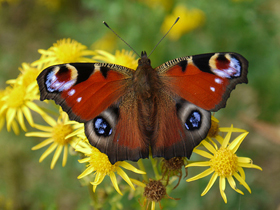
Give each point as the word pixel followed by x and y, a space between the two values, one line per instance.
pixel 234 145
pixel 94 188
pixel 83 150
pixel 43 143
pixel 249 165
pixel 21 120
pixel 10 115
pixel 208 146
pixel 39 134
pixel 227 129
pixel 15 127
pixel 4 107
pixel 65 155
pixel 201 175
pixel 74 133
pixel 115 183
pixel 131 168
pixel 212 142
pixel 222 186
pixel 86 172
pixel 233 185
pixel 125 177
pixel 56 155
pixel 242 181
pixel 242 172
pixel 214 119
pixel 98 179
pixel 210 184
pixel 28 115
pixel 203 153
pixel 48 151
pixel 199 163
pixel 2 122
pixel 244 160
pixel 138 183
pixel 43 128
pixel 227 138
pixel 219 139
pixel 105 56
pixel 84 160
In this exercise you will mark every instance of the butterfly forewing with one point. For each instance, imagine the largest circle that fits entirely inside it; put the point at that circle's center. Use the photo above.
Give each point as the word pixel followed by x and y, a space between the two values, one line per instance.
pixel 83 90
pixel 205 80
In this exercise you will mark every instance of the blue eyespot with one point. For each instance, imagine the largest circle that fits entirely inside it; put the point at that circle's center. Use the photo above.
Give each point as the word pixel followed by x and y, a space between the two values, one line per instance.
pixel 102 127
pixel 193 122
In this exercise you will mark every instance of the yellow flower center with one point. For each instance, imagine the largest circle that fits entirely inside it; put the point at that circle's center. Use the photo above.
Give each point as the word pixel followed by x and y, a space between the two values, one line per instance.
pixel 224 162
pixel 60 131
pixel 68 50
pixel 100 162
pixel 16 97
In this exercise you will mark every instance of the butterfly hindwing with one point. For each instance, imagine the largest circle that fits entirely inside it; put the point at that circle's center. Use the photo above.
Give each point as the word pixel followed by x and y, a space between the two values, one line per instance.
pixel 83 90
pixel 205 80
pixel 116 133
pixel 181 126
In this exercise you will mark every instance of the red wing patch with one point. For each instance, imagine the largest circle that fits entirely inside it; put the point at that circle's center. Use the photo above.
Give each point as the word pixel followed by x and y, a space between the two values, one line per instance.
pixel 202 89
pixel 83 89
pixel 89 98
pixel 205 80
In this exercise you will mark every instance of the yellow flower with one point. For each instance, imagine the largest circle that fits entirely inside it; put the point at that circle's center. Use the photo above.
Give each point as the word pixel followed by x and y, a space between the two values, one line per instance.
pixel 107 42
pixel 99 164
pixel 64 51
pixel 28 75
pixel 190 19
pixel 124 58
pixel 56 135
pixel 17 101
pixel 224 163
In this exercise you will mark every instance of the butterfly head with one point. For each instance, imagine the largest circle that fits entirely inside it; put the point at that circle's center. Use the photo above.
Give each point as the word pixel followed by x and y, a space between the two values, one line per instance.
pixel 144 60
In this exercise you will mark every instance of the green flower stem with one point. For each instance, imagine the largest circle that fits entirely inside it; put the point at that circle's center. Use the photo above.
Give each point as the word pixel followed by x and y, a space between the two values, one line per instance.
pixel 142 168
pixel 154 165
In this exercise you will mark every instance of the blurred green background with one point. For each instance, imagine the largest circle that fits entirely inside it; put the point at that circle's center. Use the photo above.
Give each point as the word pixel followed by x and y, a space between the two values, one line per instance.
pixel 250 28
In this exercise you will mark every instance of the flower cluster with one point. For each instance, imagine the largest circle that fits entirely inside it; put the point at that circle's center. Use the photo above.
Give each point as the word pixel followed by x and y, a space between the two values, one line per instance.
pixel 18 103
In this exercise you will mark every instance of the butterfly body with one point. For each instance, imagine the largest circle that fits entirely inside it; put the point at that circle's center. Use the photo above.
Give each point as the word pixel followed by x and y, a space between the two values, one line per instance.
pixel 127 111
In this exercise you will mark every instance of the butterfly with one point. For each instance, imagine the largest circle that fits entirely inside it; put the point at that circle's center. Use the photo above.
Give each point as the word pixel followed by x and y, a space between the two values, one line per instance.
pixel 127 112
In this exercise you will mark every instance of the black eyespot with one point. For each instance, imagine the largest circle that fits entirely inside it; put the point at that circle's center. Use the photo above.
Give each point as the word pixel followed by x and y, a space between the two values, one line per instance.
pixel 193 122
pixel 102 127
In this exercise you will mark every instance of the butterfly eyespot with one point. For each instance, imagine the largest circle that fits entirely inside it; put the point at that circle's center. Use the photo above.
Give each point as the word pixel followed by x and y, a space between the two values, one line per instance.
pixel 102 127
pixel 193 122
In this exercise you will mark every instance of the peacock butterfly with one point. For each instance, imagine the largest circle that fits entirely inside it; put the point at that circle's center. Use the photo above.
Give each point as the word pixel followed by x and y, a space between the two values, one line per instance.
pixel 126 111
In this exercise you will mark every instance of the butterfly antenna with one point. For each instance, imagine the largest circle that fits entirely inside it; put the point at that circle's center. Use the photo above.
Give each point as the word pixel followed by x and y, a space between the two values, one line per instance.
pixel 164 35
pixel 120 38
